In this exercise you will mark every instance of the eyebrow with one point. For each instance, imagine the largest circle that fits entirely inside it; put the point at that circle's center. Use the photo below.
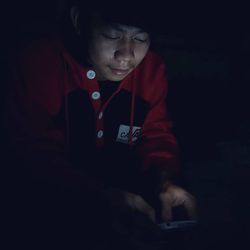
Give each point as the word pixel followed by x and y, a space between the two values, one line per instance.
pixel 120 27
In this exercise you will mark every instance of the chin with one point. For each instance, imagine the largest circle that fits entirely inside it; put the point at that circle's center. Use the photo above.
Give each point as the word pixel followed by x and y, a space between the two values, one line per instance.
pixel 115 78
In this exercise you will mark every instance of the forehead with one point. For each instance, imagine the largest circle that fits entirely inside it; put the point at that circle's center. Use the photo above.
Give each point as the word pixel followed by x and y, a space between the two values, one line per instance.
pixel 100 22
pixel 123 28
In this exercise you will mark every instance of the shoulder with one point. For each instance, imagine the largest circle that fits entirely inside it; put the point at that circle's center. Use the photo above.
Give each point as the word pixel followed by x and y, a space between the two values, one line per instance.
pixel 34 55
pixel 152 67
pixel 151 77
pixel 37 67
pixel 153 60
pixel 38 54
pixel 154 56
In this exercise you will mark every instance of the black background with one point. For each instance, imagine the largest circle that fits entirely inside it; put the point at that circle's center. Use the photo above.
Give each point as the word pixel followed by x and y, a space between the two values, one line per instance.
pixel 206 47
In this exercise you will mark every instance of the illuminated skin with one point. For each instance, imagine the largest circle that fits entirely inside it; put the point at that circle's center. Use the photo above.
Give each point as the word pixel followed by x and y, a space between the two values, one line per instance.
pixel 115 50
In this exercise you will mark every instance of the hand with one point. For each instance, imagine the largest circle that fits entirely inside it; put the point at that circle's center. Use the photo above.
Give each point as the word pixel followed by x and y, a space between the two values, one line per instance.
pixel 173 196
pixel 126 201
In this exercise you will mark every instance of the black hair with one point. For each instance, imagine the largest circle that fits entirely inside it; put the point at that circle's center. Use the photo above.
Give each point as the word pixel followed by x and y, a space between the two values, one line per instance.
pixel 129 13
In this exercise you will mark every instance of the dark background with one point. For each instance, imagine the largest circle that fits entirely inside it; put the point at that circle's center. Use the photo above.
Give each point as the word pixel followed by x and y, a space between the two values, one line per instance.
pixel 206 47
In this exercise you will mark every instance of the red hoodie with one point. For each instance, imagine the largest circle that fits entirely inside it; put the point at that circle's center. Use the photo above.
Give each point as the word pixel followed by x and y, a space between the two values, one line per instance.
pixel 58 120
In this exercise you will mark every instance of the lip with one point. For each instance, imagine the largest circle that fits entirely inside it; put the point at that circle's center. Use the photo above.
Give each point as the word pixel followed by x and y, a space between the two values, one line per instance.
pixel 120 72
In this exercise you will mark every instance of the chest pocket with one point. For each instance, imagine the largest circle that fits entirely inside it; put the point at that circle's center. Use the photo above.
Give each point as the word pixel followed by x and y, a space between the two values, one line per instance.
pixel 117 118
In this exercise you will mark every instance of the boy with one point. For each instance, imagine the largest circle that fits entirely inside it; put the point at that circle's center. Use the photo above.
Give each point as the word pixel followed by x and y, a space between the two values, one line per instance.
pixel 86 119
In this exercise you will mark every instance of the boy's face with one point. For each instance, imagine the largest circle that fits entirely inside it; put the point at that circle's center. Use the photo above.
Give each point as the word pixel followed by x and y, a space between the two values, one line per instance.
pixel 115 50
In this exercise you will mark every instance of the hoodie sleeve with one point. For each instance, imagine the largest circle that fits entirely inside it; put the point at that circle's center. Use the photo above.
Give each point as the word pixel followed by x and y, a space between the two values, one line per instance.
pixel 38 146
pixel 158 147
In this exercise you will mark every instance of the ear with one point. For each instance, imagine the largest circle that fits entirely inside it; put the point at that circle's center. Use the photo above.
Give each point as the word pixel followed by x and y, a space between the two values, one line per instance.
pixel 74 16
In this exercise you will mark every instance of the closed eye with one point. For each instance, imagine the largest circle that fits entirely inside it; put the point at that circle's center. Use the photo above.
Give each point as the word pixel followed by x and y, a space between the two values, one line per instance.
pixel 141 40
pixel 110 37
pixel 142 37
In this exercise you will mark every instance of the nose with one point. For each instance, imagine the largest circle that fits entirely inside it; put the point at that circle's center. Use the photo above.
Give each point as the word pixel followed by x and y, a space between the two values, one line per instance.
pixel 125 51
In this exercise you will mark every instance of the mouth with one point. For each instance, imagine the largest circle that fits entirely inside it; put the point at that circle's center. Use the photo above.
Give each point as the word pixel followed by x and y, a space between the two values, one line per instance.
pixel 119 72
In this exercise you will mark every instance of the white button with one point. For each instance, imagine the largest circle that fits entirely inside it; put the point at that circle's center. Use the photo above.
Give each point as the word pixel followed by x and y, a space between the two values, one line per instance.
pixel 96 95
pixel 100 115
pixel 91 74
pixel 100 134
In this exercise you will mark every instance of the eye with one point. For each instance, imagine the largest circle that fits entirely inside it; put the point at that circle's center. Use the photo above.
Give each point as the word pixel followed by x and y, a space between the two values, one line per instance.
pixel 111 37
pixel 142 38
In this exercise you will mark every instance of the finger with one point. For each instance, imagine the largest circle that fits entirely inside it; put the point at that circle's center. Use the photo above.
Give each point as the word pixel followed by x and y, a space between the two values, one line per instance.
pixel 142 206
pixel 166 212
pixel 149 211
pixel 190 206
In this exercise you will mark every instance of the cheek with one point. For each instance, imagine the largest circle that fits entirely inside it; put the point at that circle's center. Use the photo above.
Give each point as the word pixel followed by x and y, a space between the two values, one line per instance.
pixel 103 53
